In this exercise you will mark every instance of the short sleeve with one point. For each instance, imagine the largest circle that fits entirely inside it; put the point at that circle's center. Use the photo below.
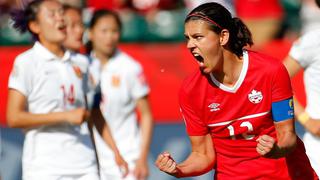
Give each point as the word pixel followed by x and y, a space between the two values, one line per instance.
pixel 139 83
pixel 305 49
pixel 281 84
pixel 194 124
pixel 20 77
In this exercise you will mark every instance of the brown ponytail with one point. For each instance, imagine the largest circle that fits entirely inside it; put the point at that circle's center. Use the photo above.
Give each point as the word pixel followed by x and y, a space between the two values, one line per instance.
pixel 240 36
pixel 219 18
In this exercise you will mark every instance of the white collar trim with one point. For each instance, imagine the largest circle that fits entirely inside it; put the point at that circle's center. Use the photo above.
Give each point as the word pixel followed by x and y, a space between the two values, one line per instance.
pixel 243 73
pixel 47 55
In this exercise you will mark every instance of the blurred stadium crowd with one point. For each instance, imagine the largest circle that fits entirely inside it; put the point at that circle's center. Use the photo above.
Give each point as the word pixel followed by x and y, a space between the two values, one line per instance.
pixel 162 20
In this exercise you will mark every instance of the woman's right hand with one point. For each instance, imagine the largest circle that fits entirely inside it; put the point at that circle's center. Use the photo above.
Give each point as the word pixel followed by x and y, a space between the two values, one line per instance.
pixel 166 163
pixel 122 164
pixel 77 116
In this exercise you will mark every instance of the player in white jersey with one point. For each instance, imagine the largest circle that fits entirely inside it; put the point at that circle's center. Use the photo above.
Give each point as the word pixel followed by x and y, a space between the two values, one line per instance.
pixel 46 99
pixel 73 42
pixel 304 54
pixel 123 89
pixel 74 28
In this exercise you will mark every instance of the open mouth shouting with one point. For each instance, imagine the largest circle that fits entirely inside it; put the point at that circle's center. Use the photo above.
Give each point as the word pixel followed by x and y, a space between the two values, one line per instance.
pixel 198 57
pixel 200 61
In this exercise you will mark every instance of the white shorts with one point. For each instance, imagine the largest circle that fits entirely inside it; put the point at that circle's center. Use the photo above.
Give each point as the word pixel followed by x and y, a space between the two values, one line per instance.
pixel 312 145
pixel 42 176
pixel 114 173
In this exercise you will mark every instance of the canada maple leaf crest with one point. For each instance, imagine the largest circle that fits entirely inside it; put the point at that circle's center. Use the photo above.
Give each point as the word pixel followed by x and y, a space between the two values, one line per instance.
pixel 255 96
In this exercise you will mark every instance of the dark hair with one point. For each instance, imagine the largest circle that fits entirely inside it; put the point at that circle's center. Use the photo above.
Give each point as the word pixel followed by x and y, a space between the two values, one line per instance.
pixel 98 14
pixel 22 17
pixel 318 3
pixel 220 18
pixel 67 7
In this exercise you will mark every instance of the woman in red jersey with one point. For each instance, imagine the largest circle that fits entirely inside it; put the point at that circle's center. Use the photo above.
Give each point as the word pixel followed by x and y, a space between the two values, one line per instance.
pixel 237 108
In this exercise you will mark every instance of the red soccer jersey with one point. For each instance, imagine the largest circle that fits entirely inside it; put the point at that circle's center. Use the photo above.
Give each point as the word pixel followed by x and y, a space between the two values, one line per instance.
pixel 235 117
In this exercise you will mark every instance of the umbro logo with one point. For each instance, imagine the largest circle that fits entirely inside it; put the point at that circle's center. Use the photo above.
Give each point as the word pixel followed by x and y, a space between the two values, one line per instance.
pixel 214 107
pixel 255 96
pixel 48 72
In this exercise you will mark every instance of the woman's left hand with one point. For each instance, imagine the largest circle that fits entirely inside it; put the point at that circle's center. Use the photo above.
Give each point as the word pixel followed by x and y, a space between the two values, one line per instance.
pixel 265 145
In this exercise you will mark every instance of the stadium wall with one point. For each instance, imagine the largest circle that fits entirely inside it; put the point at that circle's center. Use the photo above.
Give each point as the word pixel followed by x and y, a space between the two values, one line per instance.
pixel 165 66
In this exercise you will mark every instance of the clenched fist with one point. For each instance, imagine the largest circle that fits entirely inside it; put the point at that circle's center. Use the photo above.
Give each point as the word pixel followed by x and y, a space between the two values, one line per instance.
pixel 265 145
pixel 166 163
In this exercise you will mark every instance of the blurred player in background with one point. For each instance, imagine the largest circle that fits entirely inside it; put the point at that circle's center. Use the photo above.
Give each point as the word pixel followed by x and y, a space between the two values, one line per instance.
pixel 262 17
pixel 237 108
pixel 304 54
pixel 73 42
pixel 309 14
pixel 46 99
pixel 123 89
pixel 74 28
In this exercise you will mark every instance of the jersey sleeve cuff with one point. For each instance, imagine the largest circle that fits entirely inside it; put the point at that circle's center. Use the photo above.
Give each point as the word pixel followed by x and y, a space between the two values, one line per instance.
pixel 19 88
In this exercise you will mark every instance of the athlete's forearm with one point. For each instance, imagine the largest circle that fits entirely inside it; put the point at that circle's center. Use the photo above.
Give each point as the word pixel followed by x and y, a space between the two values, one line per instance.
pixel 146 133
pixel 107 137
pixel 103 129
pixel 146 126
pixel 19 117
pixel 298 108
pixel 285 145
pixel 196 164
pixel 287 139
pixel 23 119
pixel 201 159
